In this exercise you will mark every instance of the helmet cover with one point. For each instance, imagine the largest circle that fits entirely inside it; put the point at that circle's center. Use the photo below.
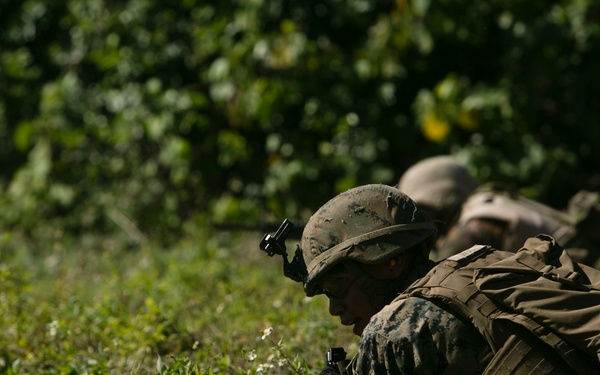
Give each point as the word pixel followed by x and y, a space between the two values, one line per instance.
pixel 438 182
pixel 368 224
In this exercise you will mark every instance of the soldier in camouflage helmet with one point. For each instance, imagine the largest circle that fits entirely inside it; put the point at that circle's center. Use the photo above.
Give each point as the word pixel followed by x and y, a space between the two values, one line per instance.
pixel 363 248
pixel 468 214
pixel 439 185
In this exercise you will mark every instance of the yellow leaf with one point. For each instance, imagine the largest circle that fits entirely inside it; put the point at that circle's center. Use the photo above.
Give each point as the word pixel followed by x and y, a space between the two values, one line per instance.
pixel 434 128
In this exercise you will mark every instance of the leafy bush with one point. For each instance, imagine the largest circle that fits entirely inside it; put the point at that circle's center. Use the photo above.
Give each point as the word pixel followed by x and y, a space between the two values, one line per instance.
pixel 126 128
pixel 130 119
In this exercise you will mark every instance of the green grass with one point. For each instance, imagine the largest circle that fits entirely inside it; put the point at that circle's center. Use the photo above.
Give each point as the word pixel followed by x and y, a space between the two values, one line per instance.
pixel 205 306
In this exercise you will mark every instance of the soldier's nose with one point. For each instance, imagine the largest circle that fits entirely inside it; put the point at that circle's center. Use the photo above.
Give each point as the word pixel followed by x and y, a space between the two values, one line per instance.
pixel 336 306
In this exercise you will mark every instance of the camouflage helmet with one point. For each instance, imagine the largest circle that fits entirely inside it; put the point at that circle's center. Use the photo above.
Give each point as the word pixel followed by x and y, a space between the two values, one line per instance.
pixel 368 224
pixel 438 182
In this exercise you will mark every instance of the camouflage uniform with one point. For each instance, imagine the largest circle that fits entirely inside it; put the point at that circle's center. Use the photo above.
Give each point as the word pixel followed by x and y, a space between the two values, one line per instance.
pixel 370 224
pixel 416 336
pixel 353 243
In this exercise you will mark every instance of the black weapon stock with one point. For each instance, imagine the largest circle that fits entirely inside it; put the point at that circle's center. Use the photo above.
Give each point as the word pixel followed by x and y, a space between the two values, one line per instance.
pixel 336 358
pixel 335 355
pixel 275 244
pixel 294 232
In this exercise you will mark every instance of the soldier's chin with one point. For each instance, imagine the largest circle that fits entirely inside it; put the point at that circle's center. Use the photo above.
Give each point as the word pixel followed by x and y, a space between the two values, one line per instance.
pixel 358 328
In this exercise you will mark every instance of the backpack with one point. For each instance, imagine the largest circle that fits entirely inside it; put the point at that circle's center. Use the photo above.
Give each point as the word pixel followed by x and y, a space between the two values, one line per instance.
pixel 521 218
pixel 538 310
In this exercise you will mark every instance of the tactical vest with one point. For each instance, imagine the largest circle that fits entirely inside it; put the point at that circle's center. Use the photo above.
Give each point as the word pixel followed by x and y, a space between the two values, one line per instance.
pixel 537 309
pixel 524 218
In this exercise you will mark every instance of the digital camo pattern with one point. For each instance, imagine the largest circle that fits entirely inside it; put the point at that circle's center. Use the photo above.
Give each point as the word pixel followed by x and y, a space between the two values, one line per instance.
pixel 415 336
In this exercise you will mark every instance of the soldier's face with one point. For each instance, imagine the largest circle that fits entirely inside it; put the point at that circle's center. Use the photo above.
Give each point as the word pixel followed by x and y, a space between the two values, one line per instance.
pixel 354 308
pixel 348 301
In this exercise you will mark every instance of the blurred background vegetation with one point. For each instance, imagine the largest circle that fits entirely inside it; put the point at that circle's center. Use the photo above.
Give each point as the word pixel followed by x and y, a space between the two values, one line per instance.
pixel 123 122
pixel 136 124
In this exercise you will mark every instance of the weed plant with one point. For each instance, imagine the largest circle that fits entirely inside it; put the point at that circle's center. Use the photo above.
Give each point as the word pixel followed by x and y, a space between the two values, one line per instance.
pixel 213 304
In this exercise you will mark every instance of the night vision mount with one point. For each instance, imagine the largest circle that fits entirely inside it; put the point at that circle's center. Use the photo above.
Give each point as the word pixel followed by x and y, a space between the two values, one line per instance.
pixel 275 244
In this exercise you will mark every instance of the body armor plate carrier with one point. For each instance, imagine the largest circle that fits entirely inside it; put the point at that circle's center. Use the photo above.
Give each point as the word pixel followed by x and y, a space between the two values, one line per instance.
pixel 529 306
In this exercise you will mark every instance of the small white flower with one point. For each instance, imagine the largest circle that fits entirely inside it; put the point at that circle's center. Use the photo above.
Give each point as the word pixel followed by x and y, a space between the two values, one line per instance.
pixel 252 355
pixel 266 333
pixel 52 328
pixel 264 367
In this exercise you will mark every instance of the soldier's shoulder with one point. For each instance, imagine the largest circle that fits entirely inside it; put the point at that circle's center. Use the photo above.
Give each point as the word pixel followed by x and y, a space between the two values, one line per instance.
pixel 415 327
pixel 405 314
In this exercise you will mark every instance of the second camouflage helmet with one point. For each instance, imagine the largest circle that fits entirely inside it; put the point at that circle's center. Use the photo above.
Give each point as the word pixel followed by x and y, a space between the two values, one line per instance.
pixel 368 224
pixel 438 182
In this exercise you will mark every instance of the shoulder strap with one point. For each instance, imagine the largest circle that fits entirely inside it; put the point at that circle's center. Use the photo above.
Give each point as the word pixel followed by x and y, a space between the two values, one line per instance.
pixel 450 283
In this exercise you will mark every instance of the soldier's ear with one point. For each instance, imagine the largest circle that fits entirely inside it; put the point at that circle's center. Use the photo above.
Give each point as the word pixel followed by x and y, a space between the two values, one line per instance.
pixel 397 264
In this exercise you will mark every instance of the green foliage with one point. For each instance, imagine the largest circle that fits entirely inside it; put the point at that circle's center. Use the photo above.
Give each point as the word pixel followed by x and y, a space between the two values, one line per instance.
pixel 127 126
pixel 205 306
pixel 130 119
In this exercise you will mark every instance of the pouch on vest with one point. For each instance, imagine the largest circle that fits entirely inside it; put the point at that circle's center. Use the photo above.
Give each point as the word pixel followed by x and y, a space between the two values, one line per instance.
pixel 541 282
